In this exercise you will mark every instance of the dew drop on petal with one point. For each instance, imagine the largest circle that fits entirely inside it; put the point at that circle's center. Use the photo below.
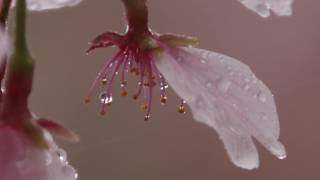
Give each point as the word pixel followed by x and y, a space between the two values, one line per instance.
pixel 282 157
pixel 70 172
pixel 246 87
pixel 224 85
pixel 261 97
pixel 209 84
pixel 62 155
pixel 263 116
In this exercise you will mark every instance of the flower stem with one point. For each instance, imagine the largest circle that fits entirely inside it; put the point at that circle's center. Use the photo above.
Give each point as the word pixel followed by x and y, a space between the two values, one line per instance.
pixel 20 48
pixel 19 74
pixel 137 15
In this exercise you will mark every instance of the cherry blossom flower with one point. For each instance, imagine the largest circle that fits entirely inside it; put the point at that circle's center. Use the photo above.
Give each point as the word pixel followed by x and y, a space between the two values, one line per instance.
pixel 222 92
pixel 40 5
pixel 263 7
pixel 27 150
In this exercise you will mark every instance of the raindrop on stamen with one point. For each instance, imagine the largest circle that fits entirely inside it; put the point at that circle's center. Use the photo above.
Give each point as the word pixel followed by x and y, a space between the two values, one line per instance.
pixel 181 107
pixel 123 84
pixel 104 81
pixel 163 100
pixel 147 117
pixel 105 99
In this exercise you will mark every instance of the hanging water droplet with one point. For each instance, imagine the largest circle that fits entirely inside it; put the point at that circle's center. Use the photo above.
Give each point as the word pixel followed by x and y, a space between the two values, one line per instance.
pixel 203 61
pixel 262 97
pixel 105 99
pixel 62 155
pixel 70 172
pixel 104 81
pixel 224 85
pixel 282 156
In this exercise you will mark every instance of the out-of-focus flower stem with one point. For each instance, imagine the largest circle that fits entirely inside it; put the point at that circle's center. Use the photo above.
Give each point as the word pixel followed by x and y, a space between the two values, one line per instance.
pixel 19 70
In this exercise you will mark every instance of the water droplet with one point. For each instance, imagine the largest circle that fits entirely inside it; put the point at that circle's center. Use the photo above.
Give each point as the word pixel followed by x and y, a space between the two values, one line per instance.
pixel 246 87
pixel 105 99
pixel 164 87
pixel 263 116
pixel 62 155
pixel 203 61
pixel 262 97
pixel 209 84
pixel 70 172
pixel 224 85
pixel 104 81
pixel 282 156
pixel 221 59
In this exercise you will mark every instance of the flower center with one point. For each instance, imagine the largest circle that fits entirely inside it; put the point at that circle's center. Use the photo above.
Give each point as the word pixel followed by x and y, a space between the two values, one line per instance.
pixel 135 56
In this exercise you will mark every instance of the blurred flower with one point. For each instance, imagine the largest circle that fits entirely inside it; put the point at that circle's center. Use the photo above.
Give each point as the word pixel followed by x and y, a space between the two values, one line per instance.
pixel 27 150
pixel 222 92
pixel 40 5
pixel 263 7
pixel 21 160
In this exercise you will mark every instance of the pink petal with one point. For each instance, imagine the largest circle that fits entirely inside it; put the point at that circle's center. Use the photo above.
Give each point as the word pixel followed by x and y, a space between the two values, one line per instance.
pixel 224 94
pixel 263 7
pixel 58 130
pixel 21 160
pixel 40 5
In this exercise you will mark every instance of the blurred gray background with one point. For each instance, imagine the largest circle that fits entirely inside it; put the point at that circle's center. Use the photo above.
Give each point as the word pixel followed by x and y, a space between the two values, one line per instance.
pixel 283 52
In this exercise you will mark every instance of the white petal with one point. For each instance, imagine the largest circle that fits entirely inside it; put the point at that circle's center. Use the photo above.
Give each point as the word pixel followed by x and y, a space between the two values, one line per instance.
pixel 263 7
pixel 40 5
pixel 224 94
pixel 19 160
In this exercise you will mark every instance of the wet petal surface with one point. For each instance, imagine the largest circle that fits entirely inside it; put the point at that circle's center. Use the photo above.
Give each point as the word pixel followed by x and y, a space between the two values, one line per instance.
pixel 224 94
pixel 263 7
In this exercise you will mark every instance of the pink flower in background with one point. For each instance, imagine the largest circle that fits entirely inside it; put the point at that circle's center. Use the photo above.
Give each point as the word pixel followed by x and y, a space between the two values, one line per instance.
pixel 27 150
pixel 222 92
pixel 263 7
